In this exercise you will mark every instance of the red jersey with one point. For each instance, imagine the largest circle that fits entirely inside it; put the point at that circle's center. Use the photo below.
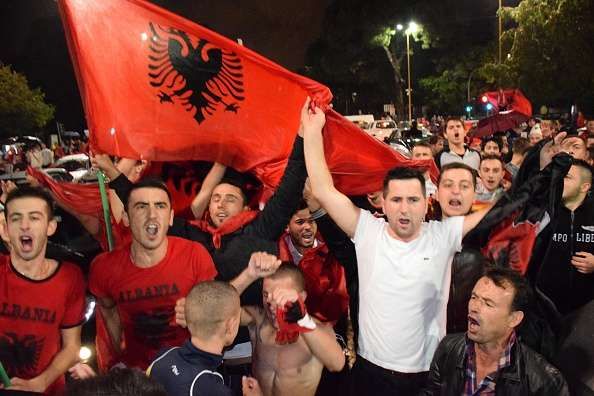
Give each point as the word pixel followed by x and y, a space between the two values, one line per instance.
pixel 32 313
pixel 145 297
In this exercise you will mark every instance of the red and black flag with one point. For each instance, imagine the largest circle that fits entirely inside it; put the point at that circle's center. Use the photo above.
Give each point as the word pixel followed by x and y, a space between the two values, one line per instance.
pixel 159 87
pixel 507 234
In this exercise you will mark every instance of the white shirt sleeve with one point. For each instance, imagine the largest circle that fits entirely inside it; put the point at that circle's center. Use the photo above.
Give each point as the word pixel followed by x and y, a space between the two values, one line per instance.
pixel 366 225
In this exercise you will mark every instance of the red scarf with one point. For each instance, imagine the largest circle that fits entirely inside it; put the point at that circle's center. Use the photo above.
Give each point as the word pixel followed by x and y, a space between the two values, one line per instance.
pixel 228 227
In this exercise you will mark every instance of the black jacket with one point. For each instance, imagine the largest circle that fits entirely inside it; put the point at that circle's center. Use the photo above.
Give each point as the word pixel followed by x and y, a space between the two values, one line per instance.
pixel 529 373
pixel 187 370
pixel 261 234
pixel 568 233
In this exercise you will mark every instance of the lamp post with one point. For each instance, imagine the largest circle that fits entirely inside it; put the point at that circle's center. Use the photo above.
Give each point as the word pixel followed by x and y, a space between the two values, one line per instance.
pixel 500 29
pixel 412 29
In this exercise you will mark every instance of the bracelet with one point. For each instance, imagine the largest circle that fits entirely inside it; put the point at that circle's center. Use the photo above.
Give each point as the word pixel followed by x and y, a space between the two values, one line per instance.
pixel 318 213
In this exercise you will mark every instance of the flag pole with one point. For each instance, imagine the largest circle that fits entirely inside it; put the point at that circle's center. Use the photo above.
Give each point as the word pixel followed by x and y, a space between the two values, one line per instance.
pixel 106 211
pixel 4 377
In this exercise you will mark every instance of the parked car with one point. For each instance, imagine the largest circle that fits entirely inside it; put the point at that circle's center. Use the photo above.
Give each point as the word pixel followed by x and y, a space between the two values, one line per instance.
pixel 79 166
pixel 382 129
pixel 59 174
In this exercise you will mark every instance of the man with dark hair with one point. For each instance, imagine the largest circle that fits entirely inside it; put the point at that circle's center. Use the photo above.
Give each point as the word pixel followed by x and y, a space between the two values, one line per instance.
pixel 42 300
pixel 491 174
pixel 488 358
pixel 117 382
pixel 403 267
pixel 422 150
pixel 565 271
pixel 436 143
pixel 519 149
pixel 138 284
pixel 492 146
pixel 457 150
pixel 575 146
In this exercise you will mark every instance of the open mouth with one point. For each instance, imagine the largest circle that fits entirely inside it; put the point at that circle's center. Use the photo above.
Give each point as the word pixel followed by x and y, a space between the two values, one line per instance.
pixel 26 243
pixel 404 222
pixel 456 135
pixel 152 229
pixel 307 237
pixel 221 216
pixel 473 324
pixel 455 203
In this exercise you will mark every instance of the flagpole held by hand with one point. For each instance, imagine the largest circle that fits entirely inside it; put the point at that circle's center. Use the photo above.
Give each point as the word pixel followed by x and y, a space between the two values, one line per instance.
pixel 4 377
pixel 105 204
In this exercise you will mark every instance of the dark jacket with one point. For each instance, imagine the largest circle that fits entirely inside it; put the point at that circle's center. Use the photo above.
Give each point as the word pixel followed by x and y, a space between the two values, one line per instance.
pixel 261 234
pixel 187 370
pixel 528 374
pixel 568 233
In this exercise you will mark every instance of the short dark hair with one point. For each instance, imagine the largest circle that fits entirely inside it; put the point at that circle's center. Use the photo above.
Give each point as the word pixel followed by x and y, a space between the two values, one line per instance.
pixel 422 144
pixel 494 139
pixel 492 157
pixel 521 146
pixel 117 382
pixel 402 173
pixel 287 269
pixel 585 167
pixel 31 192
pixel 435 138
pixel 457 165
pixel 450 119
pixel 149 182
pixel 523 295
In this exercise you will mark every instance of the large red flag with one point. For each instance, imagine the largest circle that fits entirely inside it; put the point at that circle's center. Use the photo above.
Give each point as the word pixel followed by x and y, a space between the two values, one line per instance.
pixel 157 86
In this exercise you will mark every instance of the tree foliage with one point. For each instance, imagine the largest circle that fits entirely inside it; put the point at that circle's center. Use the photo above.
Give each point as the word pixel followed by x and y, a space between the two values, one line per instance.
pixel 551 47
pixel 22 110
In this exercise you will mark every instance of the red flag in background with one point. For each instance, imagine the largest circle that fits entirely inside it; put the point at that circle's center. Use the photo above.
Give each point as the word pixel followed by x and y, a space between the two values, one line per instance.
pixel 159 87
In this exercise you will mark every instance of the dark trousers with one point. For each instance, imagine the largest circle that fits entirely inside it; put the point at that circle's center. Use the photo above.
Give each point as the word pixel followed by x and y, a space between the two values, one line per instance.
pixel 369 379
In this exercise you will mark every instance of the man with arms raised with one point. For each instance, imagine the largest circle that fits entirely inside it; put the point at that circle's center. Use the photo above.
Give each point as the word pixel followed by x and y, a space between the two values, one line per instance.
pixel 290 348
pixel 41 300
pixel 289 354
pixel 404 271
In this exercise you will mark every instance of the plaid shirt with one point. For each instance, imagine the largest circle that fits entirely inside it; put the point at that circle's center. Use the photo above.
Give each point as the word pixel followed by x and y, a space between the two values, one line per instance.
pixel 487 385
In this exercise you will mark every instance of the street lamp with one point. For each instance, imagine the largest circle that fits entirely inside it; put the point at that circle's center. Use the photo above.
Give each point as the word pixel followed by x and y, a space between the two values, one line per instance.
pixel 399 27
pixel 412 29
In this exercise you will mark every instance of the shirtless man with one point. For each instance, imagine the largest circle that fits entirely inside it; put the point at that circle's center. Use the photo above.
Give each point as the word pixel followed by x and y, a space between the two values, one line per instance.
pixel 295 366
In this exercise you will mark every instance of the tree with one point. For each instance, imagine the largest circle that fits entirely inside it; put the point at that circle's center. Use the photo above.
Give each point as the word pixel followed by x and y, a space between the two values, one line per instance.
pixel 551 51
pixel 22 109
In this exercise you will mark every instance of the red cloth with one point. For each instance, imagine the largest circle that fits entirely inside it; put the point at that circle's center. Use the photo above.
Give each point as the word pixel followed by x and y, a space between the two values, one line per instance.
pixel 83 199
pixel 145 297
pixel 32 313
pixel 228 227
pixel 325 283
pixel 287 332
pixel 159 87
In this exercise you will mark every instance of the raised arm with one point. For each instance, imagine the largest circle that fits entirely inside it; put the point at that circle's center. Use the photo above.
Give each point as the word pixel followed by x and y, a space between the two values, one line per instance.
pixel 471 220
pixel 338 205
pixel 212 179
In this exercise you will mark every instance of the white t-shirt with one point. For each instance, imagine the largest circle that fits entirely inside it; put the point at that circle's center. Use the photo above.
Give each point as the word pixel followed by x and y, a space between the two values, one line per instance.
pixel 403 291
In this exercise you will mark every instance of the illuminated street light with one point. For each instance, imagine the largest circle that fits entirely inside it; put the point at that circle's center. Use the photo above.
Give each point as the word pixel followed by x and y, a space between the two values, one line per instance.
pixel 412 29
pixel 399 27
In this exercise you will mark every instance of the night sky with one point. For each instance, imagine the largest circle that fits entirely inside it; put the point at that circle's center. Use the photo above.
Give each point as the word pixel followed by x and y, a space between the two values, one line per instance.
pixel 34 42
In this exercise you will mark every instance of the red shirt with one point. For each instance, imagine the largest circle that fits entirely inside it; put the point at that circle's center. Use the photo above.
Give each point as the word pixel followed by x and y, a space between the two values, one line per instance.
pixel 145 297
pixel 32 313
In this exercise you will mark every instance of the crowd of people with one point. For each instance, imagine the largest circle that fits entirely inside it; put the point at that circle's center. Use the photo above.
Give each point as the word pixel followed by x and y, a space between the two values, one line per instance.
pixel 37 155
pixel 386 296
